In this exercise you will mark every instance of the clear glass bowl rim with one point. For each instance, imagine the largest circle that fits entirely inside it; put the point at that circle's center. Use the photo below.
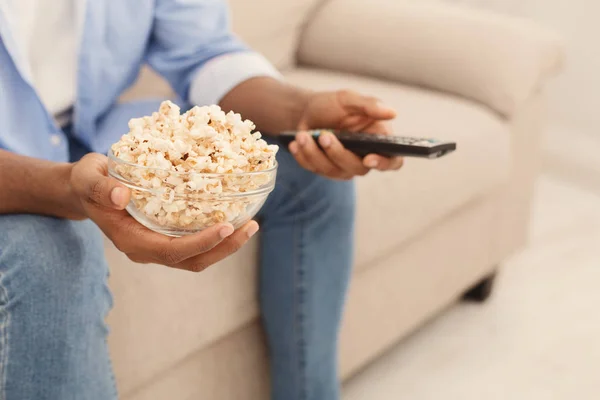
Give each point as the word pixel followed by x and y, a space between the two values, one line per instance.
pixel 117 160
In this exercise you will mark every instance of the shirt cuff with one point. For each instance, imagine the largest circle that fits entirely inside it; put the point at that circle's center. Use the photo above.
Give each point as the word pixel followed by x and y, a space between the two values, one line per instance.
pixel 221 74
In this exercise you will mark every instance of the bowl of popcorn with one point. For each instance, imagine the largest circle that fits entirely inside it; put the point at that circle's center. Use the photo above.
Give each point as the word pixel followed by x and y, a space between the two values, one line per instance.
pixel 189 171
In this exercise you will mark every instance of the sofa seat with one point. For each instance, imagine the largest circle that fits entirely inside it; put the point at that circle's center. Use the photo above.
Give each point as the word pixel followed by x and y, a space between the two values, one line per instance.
pixel 196 310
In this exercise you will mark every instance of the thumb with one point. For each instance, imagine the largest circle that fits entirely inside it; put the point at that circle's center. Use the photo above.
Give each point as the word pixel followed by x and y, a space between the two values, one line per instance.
pixel 95 185
pixel 369 106
pixel 302 125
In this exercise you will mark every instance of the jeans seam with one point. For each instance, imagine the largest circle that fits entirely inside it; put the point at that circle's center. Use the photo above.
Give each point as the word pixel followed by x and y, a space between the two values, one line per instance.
pixel 108 293
pixel 4 322
pixel 299 302
pixel 112 376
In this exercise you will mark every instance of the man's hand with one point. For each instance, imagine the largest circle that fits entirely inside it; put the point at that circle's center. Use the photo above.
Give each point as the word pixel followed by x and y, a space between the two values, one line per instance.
pixel 276 106
pixel 344 110
pixel 103 199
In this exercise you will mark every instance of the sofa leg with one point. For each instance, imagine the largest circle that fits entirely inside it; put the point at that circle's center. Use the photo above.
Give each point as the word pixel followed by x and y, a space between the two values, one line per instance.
pixel 482 290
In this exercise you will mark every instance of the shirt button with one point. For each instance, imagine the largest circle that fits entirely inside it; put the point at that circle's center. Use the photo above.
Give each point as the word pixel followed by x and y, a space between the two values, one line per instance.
pixel 55 139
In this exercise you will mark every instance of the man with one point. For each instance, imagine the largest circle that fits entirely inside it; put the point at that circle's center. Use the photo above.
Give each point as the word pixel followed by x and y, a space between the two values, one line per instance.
pixel 63 65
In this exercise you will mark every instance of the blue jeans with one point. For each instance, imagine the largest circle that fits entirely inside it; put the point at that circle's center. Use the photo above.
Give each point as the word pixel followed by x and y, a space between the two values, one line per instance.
pixel 54 295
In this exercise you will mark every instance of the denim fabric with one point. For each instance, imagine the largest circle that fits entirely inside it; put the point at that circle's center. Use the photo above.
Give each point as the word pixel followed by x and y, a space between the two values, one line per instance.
pixel 53 301
pixel 306 258
pixel 54 297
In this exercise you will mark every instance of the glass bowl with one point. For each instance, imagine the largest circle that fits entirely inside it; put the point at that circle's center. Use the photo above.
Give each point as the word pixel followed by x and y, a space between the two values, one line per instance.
pixel 181 203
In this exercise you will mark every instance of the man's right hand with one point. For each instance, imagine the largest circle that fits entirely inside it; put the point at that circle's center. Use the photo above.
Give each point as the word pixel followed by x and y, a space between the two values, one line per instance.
pixel 103 199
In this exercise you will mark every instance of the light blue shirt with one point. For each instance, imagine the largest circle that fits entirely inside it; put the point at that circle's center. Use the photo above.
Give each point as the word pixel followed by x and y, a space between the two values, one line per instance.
pixel 188 42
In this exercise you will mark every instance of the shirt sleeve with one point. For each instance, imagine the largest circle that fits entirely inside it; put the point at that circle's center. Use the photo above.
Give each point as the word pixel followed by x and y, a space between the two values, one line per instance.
pixel 191 45
pixel 221 74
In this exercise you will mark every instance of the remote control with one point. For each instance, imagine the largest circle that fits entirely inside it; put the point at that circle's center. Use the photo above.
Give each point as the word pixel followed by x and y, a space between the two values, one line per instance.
pixel 362 144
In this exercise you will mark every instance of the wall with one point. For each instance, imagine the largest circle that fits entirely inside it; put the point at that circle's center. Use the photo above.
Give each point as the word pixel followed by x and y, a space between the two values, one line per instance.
pixel 574 97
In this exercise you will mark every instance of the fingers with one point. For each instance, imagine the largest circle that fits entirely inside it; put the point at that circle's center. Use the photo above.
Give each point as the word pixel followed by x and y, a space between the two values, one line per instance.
pixel 309 156
pixel 374 161
pixel 396 163
pixel 294 148
pixel 379 128
pixel 227 247
pixel 381 163
pixel 369 106
pixel 143 244
pixel 360 124
pixel 193 253
pixel 95 187
pixel 357 123
pixel 335 161
pixel 190 246
pixel 344 159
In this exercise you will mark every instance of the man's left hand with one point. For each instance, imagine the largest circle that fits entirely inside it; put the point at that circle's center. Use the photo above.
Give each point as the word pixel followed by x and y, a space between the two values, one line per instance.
pixel 343 110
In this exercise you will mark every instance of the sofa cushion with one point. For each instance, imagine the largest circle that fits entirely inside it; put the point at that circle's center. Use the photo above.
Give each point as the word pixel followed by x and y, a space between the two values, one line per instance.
pixel 498 60
pixel 272 27
pixel 392 207
pixel 196 310
pixel 193 311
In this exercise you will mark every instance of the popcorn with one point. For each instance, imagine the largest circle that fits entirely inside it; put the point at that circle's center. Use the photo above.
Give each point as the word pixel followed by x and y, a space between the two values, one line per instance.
pixel 168 154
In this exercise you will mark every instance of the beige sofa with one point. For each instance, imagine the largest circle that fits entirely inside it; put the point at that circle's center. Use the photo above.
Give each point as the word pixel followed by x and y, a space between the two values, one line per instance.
pixel 424 235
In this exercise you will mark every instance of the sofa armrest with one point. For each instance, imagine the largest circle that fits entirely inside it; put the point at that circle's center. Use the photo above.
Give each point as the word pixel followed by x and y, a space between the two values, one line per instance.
pixel 496 60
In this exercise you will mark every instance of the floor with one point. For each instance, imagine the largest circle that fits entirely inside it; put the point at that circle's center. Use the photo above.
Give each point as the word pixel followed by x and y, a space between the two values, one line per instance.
pixel 575 159
pixel 538 338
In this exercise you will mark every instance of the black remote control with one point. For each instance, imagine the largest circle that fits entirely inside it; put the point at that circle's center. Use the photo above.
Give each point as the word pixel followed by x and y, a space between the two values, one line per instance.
pixel 362 144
